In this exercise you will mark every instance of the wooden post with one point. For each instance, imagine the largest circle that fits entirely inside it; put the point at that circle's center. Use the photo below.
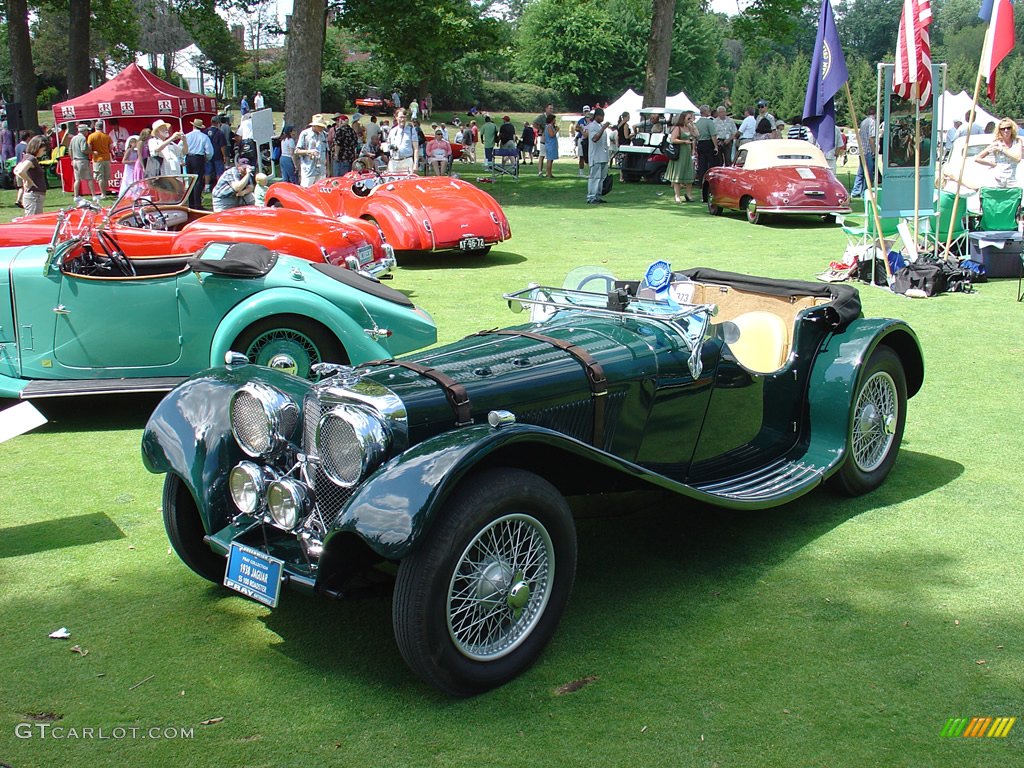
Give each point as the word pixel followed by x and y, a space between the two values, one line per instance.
pixel 963 165
pixel 869 186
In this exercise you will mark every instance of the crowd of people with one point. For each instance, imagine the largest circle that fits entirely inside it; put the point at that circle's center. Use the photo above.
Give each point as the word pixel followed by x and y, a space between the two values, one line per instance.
pixel 226 162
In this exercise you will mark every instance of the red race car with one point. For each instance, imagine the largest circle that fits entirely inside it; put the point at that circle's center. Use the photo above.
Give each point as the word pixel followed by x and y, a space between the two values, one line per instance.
pixel 414 213
pixel 152 219
pixel 776 176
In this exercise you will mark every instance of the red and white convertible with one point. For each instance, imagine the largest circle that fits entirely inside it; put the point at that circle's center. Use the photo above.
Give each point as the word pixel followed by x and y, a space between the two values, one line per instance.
pixel 776 176
pixel 414 213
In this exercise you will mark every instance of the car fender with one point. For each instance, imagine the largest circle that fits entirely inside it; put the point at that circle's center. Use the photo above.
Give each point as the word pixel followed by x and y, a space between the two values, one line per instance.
pixel 836 374
pixel 293 301
pixel 298 198
pixel 189 434
pixel 401 223
pixel 394 507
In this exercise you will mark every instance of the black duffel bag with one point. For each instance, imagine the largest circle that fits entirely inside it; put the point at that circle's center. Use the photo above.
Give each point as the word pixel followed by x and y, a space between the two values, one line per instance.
pixel 927 276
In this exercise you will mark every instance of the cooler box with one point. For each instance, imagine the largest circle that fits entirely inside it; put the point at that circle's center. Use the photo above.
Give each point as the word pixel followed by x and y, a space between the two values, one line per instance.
pixel 998 251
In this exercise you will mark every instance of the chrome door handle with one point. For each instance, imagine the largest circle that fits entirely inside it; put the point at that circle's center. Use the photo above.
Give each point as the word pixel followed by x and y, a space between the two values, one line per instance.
pixel 60 309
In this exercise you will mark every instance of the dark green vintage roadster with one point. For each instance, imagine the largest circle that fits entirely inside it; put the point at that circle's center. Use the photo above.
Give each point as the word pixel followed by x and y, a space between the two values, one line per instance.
pixel 455 463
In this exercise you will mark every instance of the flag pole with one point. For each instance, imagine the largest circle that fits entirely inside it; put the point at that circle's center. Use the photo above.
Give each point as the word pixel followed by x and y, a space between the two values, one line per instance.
pixel 963 164
pixel 869 187
pixel 917 166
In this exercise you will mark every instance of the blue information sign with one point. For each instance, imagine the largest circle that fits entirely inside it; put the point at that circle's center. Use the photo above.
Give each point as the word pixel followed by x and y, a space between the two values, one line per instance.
pixel 254 574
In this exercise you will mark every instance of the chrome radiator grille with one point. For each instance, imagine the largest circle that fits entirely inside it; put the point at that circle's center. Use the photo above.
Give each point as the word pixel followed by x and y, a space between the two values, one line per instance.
pixel 329 497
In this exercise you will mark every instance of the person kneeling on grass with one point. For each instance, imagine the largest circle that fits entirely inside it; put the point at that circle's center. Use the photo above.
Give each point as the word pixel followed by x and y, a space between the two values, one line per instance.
pixel 235 187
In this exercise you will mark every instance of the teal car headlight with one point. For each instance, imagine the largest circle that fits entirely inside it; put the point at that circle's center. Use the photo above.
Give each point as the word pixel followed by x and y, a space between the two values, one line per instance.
pixel 351 443
pixel 261 419
pixel 288 502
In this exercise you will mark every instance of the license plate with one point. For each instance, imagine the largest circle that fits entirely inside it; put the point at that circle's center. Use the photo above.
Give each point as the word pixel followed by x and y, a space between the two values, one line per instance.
pixel 471 243
pixel 254 574
pixel 365 253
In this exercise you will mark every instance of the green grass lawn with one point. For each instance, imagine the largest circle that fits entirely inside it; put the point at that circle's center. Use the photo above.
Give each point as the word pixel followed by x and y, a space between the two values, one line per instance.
pixel 831 632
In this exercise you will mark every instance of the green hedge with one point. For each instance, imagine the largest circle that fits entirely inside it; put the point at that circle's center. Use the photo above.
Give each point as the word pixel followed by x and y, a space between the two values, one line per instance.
pixel 515 97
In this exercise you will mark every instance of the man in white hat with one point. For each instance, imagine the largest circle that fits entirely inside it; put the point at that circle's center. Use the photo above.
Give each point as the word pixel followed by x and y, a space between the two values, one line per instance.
pixel 198 152
pixel 311 150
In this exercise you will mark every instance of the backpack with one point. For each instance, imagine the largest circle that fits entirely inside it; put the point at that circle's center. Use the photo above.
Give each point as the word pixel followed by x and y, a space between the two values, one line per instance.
pixel 764 125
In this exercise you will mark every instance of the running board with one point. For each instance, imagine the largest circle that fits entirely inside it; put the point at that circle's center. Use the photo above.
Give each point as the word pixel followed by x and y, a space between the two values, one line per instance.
pixel 783 478
pixel 76 387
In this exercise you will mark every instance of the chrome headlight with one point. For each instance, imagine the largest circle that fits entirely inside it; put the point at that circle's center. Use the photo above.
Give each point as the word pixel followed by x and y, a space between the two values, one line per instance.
pixel 351 442
pixel 261 419
pixel 247 482
pixel 288 501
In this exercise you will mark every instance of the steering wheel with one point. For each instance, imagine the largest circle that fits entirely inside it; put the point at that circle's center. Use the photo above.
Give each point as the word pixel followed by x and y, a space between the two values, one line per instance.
pixel 139 208
pixel 113 258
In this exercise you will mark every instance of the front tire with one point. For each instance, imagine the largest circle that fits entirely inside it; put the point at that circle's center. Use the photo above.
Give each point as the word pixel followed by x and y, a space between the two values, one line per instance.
pixel 714 210
pixel 479 599
pixel 877 422
pixel 185 530
pixel 291 343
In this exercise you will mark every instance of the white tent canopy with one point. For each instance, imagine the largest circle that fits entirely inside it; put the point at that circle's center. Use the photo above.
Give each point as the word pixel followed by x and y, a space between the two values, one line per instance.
pixel 631 102
pixel 955 107
pixel 682 101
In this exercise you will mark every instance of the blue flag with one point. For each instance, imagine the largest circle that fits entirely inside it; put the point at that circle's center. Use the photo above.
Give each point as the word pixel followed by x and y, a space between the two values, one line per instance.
pixel 828 73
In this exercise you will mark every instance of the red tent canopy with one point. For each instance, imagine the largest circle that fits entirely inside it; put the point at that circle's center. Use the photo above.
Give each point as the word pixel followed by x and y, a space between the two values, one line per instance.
pixel 137 96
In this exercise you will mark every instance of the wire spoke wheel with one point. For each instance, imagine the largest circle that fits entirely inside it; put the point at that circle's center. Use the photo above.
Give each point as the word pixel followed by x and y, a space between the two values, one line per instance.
pixel 500 587
pixel 874 422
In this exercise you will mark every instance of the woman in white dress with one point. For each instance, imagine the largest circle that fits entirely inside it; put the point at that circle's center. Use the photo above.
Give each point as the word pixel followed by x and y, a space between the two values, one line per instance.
pixel 1004 153
pixel 132 170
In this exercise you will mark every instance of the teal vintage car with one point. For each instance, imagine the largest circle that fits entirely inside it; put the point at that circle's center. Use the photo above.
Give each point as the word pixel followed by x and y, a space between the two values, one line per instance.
pixel 455 463
pixel 77 317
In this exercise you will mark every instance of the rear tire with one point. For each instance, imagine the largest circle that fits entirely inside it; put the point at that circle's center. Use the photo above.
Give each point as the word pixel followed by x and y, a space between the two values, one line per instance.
pixel 478 600
pixel 877 421
pixel 185 531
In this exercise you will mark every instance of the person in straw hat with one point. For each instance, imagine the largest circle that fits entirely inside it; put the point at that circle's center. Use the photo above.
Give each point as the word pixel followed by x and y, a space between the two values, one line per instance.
pixel 311 151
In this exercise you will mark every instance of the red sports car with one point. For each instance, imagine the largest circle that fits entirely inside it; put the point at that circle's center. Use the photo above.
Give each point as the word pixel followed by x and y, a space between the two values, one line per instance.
pixel 373 103
pixel 776 176
pixel 152 219
pixel 414 213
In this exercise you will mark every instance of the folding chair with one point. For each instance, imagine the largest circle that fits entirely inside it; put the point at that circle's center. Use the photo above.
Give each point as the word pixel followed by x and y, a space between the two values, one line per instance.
pixel 938 226
pixel 999 209
pixel 506 163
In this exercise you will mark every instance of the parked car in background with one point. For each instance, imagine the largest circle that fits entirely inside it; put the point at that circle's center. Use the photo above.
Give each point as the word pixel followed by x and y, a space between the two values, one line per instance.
pixel 152 219
pixel 413 213
pixel 725 389
pixel 776 177
pixel 644 159
pixel 81 315
pixel 975 175
pixel 373 103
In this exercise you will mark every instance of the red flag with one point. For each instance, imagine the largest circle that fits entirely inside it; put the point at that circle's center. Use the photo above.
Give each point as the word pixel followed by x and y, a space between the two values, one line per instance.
pixel 913 75
pixel 999 39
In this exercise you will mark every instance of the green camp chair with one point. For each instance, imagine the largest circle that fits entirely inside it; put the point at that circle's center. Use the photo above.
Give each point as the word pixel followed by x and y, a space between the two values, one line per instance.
pixel 861 230
pixel 999 209
pixel 936 238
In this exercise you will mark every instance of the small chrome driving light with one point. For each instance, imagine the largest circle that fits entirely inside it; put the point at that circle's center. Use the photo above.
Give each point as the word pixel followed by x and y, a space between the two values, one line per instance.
pixel 351 442
pixel 247 483
pixel 261 419
pixel 288 502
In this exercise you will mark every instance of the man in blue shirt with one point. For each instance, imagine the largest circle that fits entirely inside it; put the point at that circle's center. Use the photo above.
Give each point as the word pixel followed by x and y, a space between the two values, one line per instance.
pixel 199 151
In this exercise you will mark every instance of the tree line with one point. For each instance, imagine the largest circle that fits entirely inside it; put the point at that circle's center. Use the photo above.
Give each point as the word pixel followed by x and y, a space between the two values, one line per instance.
pixel 496 54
